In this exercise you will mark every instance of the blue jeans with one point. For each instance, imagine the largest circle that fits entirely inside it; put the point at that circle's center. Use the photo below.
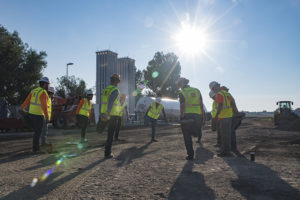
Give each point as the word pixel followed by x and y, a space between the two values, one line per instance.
pixel 153 125
pixel 44 132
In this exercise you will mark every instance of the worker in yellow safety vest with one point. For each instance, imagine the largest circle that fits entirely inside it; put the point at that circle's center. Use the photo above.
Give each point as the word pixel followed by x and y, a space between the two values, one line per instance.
pixel 45 125
pixel 212 95
pixel 226 108
pixel 83 113
pixel 191 113
pixel 123 107
pixel 38 110
pixel 153 114
pixel 110 111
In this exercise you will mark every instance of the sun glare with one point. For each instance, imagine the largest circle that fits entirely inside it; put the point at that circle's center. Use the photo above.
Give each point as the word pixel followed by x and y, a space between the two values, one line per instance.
pixel 190 40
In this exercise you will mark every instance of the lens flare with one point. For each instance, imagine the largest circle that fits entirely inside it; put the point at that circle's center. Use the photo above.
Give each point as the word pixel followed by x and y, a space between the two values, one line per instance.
pixel 34 182
pixel 79 146
pixel 134 93
pixel 155 74
pixel 45 176
pixel 59 161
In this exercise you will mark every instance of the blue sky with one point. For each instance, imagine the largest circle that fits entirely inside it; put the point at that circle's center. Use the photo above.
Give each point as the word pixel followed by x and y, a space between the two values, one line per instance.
pixel 254 46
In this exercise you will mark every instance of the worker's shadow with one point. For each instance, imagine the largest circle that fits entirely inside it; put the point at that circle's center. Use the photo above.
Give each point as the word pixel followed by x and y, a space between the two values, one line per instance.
pixel 190 185
pixel 259 181
pixel 132 153
pixel 203 155
pixel 44 188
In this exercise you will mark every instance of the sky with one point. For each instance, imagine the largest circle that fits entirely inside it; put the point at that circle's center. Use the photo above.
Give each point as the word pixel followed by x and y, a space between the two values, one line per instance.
pixel 251 46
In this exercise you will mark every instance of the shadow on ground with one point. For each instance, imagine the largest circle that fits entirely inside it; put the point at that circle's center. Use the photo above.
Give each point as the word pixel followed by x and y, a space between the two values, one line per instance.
pixel 257 181
pixel 191 185
pixel 132 153
pixel 44 188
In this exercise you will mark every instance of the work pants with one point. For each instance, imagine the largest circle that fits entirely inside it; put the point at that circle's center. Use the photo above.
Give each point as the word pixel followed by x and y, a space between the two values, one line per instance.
pixel 112 125
pixel 44 133
pixel 236 122
pixel 119 122
pixel 225 128
pixel 218 133
pixel 36 122
pixel 190 129
pixel 153 126
pixel 83 123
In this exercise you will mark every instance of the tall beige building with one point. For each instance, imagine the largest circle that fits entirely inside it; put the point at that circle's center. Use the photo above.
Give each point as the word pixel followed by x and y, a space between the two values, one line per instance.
pixel 108 63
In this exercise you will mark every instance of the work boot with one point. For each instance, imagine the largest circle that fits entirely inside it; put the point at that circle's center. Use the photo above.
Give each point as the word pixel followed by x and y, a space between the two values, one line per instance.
pixel 189 158
pixel 154 140
pixel 109 156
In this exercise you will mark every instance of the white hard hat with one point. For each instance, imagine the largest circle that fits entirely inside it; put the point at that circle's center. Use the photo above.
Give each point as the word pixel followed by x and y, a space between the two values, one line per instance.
pixel 51 89
pixel 89 92
pixel 213 84
pixel 45 79
pixel 212 94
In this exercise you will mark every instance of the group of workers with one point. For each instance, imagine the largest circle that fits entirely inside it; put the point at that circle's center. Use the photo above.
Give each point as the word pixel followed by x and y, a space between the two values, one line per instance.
pixel 113 106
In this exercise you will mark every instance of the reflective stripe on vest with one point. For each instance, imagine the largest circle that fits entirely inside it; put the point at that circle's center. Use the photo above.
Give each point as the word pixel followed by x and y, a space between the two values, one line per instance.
pixel 226 111
pixel 122 107
pixel 85 108
pixel 214 109
pixel 49 106
pixel 105 98
pixel 192 100
pixel 35 106
pixel 154 111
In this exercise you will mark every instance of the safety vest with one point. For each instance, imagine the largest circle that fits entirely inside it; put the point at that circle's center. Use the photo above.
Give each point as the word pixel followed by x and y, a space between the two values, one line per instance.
pixel 122 107
pixel 35 107
pixel 192 100
pixel 85 108
pixel 49 107
pixel 226 111
pixel 154 111
pixel 105 97
pixel 214 109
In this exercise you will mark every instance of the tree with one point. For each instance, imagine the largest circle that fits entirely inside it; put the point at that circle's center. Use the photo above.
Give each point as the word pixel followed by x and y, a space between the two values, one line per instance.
pixel 20 67
pixel 162 73
pixel 73 86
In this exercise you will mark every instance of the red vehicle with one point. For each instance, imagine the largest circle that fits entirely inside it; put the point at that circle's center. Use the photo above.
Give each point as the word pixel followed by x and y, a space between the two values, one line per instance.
pixel 64 111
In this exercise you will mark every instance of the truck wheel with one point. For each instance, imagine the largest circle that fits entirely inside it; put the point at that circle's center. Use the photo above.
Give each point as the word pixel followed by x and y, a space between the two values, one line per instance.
pixel 60 122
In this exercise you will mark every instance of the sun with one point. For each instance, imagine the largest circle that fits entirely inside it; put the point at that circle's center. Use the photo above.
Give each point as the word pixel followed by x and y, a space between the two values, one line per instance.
pixel 190 40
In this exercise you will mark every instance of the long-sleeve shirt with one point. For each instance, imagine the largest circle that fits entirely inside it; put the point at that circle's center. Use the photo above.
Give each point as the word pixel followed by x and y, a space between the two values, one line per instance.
pixel 112 99
pixel 80 105
pixel 43 99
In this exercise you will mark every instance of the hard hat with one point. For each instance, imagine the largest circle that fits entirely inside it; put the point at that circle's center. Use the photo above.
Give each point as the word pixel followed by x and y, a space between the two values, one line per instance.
pixel 212 94
pixel 123 95
pixel 158 99
pixel 213 84
pixel 89 92
pixel 116 77
pixel 51 89
pixel 182 82
pixel 45 80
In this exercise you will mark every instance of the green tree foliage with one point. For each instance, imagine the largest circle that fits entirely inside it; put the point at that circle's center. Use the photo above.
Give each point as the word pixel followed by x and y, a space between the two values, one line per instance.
pixel 73 86
pixel 20 67
pixel 162 73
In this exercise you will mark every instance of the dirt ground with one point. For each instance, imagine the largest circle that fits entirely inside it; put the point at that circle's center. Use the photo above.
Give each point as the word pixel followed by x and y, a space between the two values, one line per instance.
pixel 144 170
